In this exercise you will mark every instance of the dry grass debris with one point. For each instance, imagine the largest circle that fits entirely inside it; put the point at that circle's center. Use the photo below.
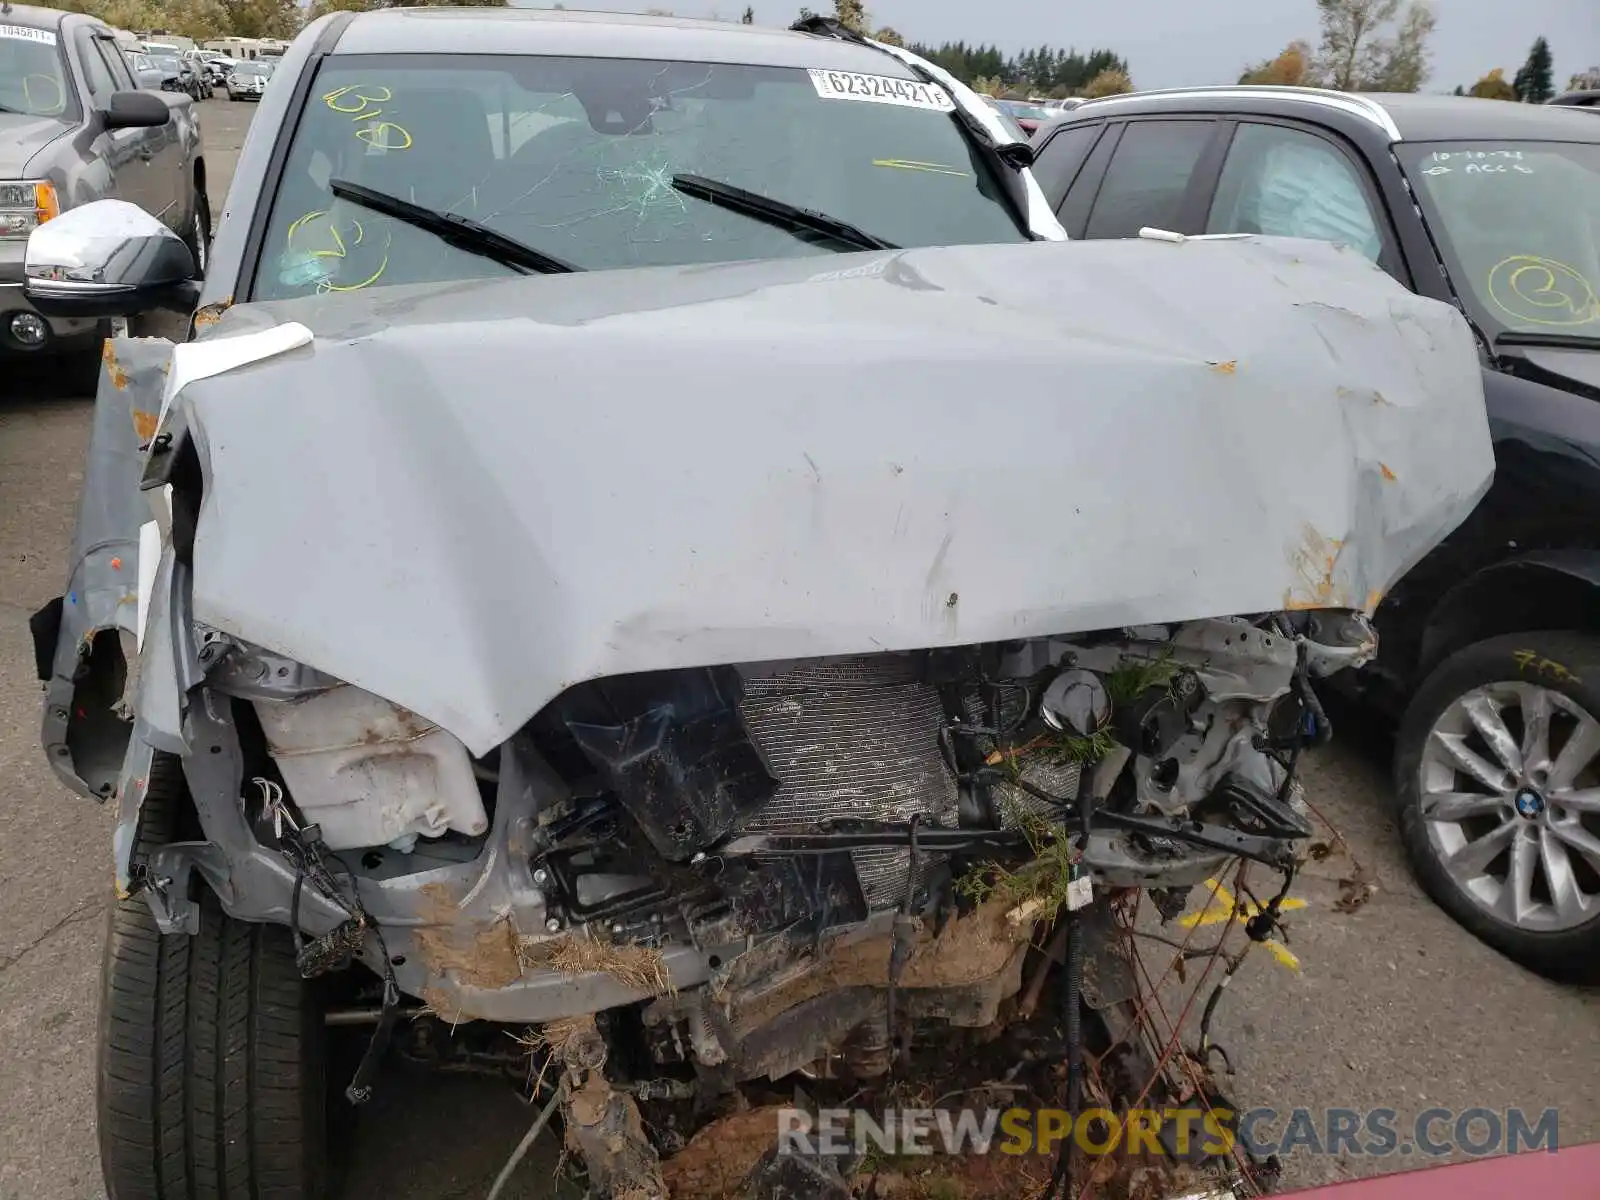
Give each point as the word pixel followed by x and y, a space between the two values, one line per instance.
pixel 637 968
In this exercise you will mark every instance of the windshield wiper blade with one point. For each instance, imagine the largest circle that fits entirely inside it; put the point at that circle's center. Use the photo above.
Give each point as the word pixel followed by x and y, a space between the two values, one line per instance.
pixel 461 232
pixel 1529 337
pixel 778 212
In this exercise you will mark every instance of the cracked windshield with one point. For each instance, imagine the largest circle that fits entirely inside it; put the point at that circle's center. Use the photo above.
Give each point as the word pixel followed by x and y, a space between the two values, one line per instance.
pixel 1519 226
pixel 584 162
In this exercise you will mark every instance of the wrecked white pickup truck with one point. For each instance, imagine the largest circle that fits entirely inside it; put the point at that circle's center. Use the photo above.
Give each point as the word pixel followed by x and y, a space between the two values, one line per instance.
pixel 710 674
pixel 684 685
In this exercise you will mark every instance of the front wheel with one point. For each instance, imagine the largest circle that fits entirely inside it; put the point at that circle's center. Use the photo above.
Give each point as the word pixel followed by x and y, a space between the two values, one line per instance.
pixel 198 235
pixel 212 1053
pixel 1497 769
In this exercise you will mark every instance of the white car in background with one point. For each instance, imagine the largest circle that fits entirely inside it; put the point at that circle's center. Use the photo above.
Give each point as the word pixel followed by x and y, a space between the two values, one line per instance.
pixel 248 80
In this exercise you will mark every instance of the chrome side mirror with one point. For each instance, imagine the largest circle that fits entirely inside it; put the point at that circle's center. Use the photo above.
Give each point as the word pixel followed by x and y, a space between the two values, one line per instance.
pixel 107 259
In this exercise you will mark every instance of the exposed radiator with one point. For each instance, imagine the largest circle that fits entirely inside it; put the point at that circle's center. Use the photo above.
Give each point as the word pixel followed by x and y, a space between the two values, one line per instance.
pixel 851 737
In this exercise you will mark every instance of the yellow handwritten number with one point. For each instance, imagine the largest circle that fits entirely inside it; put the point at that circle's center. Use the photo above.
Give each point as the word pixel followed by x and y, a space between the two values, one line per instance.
pixel 362 94
pixel 384 135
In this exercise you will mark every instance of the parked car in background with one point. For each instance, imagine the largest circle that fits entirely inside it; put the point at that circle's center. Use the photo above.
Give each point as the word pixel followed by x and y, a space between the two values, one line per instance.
pixel 145 70
pixel 1061 104
pixel 218 67
pixel 1589 100
pixel 248 80
pixel 1026 113
pixel 75 127
pixel 1490 646
pixel 177 74
pixel 1006 119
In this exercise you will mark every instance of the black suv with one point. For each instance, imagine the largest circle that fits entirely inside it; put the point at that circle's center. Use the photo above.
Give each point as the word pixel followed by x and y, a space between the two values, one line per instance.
pixel 1490 646
pixel 1589 99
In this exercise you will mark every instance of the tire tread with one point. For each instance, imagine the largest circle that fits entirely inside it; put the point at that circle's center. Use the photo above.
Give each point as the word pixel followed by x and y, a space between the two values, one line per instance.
pixel 210 1083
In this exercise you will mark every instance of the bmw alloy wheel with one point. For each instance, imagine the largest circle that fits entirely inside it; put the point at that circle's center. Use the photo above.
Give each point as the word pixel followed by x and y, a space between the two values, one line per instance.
pixel 1499 789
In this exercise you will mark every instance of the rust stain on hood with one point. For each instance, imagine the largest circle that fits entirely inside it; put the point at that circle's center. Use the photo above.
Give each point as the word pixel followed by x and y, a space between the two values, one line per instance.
pixel 1315 561
pixel 114 370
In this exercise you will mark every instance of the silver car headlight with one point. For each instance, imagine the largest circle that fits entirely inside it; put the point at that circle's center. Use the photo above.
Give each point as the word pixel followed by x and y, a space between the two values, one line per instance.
pixel 25 205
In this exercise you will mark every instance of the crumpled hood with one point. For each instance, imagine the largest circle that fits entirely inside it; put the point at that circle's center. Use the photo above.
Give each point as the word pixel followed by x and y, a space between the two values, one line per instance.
pixel 468 497
pixel 22 136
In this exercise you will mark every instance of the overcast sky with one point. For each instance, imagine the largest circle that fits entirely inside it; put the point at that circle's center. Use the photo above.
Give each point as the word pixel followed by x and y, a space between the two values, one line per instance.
pixel 1171 43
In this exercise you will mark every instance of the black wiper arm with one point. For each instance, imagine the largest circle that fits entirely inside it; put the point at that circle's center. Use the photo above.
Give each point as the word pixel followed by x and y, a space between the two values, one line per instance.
pixel 1521 337
pixel 778 212
pixel 461 232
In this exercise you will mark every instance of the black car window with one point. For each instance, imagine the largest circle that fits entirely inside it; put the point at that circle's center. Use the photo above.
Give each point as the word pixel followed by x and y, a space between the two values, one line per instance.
pixel 1060 159
pixel 1148 176
pixel 1073 211
pixel 1289 183
pixel 116 64
pixel 96 73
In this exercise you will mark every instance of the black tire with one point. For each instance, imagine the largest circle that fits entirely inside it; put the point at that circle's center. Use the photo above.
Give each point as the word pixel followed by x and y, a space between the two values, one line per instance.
pixel 1564 662
pixel 212 1052
pixel 198 235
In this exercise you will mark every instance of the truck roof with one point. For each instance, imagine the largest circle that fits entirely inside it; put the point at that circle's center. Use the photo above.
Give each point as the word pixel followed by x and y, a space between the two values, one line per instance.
pixel 32 17
pixel 602 35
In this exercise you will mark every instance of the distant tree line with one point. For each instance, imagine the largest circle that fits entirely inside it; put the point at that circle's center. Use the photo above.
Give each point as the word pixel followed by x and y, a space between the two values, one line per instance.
pixel 1534 82
pixel 1045 71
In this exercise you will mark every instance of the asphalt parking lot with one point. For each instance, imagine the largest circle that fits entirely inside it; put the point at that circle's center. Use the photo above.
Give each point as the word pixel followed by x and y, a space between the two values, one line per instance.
pixel 1391 1005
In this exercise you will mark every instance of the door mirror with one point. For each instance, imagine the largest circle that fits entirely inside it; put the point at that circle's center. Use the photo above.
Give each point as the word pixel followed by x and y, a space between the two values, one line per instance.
pixel 108 259
pixel 135 110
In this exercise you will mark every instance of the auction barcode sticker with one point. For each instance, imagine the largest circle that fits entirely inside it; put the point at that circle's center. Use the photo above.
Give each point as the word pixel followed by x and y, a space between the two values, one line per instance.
pixel 21 33
pixel 880 89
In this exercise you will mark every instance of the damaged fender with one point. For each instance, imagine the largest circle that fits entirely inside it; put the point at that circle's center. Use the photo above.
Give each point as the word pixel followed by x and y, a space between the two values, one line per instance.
pixel 84 640
pixel 119 639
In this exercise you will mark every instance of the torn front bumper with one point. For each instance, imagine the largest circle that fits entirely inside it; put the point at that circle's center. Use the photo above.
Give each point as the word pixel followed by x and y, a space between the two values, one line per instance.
pixel 86 638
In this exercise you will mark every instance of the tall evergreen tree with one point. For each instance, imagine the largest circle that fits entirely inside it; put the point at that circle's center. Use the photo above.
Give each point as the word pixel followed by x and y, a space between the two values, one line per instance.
pixel 1535 80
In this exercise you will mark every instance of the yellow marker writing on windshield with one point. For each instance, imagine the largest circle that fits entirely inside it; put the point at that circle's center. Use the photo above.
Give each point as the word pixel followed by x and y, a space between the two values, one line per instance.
pixel 382 135
pixel 356 287
pixel 55 106
pixel 1543 291
pixel 339 248
pixel 361 102
pixel 364 96
pixel 910 164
